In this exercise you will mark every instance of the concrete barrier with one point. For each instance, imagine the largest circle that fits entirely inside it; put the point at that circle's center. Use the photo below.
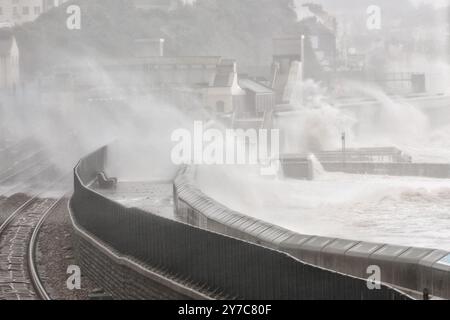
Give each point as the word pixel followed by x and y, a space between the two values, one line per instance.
pixel 440 276
pixel 356 259
pixel 426 267
pixel 441 171
pixel 331 256
pixel 406 268
pixel 311 250
pixel 385 258
pixel 296 167
pixel 410 268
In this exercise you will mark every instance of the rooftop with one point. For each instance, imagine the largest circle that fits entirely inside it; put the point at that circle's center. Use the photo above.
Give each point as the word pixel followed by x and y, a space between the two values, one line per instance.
pixel 251 85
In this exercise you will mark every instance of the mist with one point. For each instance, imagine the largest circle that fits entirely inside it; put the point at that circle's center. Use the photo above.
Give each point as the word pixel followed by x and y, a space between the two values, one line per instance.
pixel 379 88
pixel 137 127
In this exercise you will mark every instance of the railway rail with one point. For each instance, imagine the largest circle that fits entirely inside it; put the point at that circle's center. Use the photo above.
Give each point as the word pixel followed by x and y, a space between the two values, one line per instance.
pixel 19 232
pixel 19 279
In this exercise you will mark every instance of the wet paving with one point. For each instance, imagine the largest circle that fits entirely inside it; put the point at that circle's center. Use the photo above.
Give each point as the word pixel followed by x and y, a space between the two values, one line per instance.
pixel 152 196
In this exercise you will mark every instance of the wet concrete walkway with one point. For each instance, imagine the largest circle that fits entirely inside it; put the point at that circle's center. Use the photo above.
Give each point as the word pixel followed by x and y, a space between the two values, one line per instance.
pixel 153 196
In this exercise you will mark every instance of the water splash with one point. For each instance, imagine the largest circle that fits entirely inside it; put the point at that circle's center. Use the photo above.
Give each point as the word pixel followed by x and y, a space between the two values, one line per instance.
pixel 317 167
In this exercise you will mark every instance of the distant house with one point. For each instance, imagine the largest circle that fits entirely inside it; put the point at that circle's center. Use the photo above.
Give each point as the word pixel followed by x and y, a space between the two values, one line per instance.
pixel 163 5
pixel 225 93
pixel 320 27
pixel 287 67
pixel 20 11
pixel 259 98
pixel 49 4
pixel 211 82
pixel 187 81
pixel 9 61
pixel 323 42
pixel 17 12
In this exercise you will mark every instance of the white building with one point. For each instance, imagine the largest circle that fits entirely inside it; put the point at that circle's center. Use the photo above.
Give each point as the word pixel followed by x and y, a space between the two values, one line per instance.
pixel 163 5
pixel 17 12
pixel 9 61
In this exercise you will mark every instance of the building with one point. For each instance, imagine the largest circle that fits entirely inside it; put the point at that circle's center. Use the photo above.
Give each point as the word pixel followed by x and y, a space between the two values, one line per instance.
pixel 9 61
pixel 213 86
pixel 202 82
pixel 287 67
pixel 224 95
pixel 163 5
pixel 197 81
pixel 49 4
pixel 323 43
pixel 17 12
pixel 259 98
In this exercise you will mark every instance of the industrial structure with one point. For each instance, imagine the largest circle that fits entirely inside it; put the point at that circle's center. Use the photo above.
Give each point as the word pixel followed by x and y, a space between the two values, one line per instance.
pixel 17 12
pixel 9 61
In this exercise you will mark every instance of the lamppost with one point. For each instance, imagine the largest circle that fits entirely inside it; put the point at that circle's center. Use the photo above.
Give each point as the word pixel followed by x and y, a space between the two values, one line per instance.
pixel 343 138
pixel 302 44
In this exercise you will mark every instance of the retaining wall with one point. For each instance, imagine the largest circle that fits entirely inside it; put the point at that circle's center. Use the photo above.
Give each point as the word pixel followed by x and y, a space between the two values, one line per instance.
pixel 441 171
pixel 302 169
pixel 118 246
pixel 406 267
pixel 119 274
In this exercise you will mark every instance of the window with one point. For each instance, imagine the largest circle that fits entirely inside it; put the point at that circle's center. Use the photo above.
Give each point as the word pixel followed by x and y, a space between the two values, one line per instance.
pixel 1 10
pixel 26 10
pixel 37 10
pixel 15 11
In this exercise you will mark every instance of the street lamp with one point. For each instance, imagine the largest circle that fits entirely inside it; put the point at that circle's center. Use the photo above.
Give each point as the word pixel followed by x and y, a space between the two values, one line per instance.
pixel 343 138
pixel 302 44
pixel 303 54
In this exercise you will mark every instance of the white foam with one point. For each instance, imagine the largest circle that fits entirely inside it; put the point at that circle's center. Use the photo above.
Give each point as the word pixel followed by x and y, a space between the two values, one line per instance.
pixel 317 167
pixel 400 210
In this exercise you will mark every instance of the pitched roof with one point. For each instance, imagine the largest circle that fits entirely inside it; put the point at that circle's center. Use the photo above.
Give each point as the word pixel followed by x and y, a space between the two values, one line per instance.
pixel 155 4
pixel 248 84
pixel 225 72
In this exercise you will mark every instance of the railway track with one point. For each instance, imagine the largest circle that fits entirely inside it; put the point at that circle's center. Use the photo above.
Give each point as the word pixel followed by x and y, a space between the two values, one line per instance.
pixel 19 279
pixel 23 219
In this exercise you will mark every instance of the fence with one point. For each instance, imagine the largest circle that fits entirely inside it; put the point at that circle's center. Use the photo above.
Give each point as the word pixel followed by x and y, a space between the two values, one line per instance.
pixel 223 264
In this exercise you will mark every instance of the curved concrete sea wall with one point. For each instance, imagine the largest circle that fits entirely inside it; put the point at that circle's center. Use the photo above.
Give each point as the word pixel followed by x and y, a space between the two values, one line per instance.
pixel 118 273
pixel 135 254
pixel 406 267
